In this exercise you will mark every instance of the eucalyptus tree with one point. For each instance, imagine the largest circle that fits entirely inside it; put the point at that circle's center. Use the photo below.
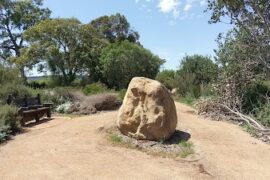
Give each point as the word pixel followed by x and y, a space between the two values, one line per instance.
pixel 66 45
pixel 115 28
pixel 15 18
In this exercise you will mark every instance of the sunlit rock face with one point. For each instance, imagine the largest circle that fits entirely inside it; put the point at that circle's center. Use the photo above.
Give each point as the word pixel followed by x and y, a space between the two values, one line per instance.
pixel 148 111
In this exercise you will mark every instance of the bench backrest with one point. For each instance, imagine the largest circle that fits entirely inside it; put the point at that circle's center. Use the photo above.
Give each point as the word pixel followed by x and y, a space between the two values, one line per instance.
pixel 24 101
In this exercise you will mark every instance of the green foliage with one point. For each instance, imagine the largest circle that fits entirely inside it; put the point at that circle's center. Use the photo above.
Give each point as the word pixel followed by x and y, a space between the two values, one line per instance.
pixel 8 121
pixel 115 28
pixel 243 53
pixel 188 99
pixel 196 72
pixel 94 88
pixel 14 89
pixel 123 61
pixel 69 48
pixel 166 77
pixel 186 149
pixel 255 96
pixel 16 17
pixel 252 131
pixel 115 138
pixel 202 67
pixel 8 75
pixel 263 115
pixel 57 95
pixel 122 93
pixel 36 84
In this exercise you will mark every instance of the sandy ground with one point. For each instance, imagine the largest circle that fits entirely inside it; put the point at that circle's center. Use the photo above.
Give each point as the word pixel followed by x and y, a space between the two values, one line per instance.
pixel 74 148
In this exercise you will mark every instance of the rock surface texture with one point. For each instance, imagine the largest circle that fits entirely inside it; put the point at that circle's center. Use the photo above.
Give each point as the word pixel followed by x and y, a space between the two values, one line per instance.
pixel 148 111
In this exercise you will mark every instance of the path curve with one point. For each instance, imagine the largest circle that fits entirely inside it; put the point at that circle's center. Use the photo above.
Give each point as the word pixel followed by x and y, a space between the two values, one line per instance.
pixel 73 148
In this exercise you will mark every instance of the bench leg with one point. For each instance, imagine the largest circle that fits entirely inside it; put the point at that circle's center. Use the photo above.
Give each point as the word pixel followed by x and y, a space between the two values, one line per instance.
pixel 49 115
pixel 37 118
pixel 22 122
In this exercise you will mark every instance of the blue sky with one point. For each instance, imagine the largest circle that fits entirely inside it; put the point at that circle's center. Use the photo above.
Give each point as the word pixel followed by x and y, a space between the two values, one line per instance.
pixel 169 28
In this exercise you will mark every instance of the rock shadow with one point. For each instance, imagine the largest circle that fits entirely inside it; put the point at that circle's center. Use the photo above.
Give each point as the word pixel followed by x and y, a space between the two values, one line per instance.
pixel 177 137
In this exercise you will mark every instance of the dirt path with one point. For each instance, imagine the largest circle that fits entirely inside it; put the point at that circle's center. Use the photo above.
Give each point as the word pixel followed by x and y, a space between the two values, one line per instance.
pixel 67 148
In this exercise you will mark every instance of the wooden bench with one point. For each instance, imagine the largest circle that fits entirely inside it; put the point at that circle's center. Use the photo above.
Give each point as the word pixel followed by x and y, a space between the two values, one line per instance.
pixel 30 108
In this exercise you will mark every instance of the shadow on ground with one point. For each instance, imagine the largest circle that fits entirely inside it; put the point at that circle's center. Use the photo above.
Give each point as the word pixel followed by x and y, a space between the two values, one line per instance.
pixel 41 121
pixel 177 137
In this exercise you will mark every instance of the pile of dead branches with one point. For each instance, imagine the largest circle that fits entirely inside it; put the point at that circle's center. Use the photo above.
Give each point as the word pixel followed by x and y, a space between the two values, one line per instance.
pixel 220 111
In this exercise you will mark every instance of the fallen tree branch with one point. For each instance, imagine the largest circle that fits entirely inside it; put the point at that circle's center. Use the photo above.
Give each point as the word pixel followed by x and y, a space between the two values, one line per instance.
pixel 253 123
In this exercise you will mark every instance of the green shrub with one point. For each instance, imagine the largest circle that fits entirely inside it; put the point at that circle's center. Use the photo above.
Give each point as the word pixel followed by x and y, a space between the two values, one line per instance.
pixel 37 84
pixel 14 89
pixel 195 75
pixel 8 121
pixel 57 96
pixel 125 60
pixel 188 99
pixel 166 77
pixel 122 93
pixel 8 75
pixel 255 97
pixel 94 88
pixel 263 115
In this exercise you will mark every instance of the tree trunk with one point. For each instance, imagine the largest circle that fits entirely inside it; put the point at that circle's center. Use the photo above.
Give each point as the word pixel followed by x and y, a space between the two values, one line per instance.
pixel 23 76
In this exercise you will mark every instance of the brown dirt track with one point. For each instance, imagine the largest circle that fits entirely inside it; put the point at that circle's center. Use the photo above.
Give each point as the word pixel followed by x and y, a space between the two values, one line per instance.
pixel 66 148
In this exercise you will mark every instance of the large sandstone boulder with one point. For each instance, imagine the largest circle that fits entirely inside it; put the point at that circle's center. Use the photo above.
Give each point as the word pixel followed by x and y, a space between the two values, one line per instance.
pixel 148 111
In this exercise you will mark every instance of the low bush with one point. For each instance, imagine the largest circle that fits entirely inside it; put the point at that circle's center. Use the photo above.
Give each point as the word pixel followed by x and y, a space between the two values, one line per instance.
pixel 8 121
pixel 122 93
pixel 8 75
pixel 166 77
pixel 255 97
pixel 14 89
pixel 188 99
pixel 263 115
pixel 37 84
pixel 94 88
pixel 57 96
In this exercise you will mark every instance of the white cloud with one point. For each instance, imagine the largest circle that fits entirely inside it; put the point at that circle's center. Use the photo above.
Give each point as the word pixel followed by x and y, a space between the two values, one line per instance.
pixel 187 7
pixel 203 2
pixel 169 6
pixel 172 7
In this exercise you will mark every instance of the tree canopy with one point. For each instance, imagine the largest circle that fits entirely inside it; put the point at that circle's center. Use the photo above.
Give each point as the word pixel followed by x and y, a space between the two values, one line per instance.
pixel 125 60
pixel 15 18
pixel 68 47
pixel 244 52
pixel 115 28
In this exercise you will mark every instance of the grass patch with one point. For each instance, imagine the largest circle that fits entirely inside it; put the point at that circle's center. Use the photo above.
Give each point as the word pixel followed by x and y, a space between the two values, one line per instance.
pixel 116 139
pixel 252 131
pixel 188 99
pixel 153 148
pixel 187 149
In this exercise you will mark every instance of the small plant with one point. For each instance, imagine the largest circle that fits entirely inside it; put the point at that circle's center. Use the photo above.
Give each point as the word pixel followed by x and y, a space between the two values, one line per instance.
pixel 94 88
pixel 187 149
pixel 116 138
